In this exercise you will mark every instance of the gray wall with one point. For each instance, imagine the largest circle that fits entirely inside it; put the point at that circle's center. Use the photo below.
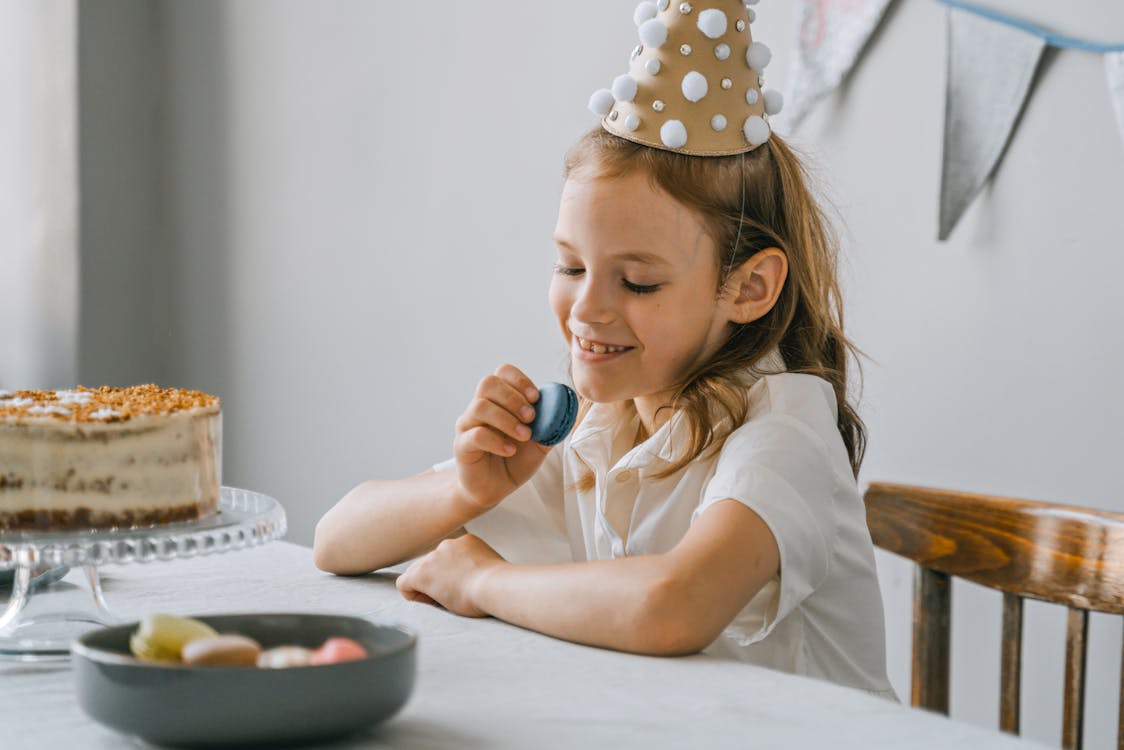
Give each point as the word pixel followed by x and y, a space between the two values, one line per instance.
pixel 124 242
pixel 343 221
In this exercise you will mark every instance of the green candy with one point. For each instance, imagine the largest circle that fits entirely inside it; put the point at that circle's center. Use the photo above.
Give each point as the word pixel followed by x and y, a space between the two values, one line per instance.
pixel 162 637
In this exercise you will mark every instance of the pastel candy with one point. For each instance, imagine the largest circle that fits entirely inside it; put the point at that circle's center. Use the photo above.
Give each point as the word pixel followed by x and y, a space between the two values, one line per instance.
pixel 555 413
pixel 162 637
pixel 284 657
pixel 336 650
pixel 222 651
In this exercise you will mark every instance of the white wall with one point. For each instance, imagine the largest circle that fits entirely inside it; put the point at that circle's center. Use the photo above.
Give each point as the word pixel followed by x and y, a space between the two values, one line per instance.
pixel 359 200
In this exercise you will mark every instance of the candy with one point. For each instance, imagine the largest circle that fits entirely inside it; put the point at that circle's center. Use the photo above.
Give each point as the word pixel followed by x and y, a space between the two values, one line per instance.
pixel 336 650
pixel 162 637
pixel 222 651
pixel 555 412
pixel 283 657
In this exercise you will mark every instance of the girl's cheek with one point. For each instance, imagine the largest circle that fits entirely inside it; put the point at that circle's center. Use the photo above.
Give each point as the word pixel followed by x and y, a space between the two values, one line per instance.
pixel 554 294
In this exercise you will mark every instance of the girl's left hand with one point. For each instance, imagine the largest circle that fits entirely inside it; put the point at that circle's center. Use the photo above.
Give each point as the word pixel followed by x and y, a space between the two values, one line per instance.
pixel 449 574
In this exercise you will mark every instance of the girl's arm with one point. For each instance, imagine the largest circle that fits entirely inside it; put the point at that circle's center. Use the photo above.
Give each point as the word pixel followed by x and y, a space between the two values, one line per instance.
pixel 669 604
pixel 384 522
pixel 381 523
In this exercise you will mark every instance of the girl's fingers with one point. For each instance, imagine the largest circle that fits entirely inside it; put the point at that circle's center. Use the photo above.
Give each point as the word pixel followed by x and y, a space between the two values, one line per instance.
pixel 417 596
pixel 410 593
pixel 516 378
pixel 483 439
pixel 490 414
pixel 496 389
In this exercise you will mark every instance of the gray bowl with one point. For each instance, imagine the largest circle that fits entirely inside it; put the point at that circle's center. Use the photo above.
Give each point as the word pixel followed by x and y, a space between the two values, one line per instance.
pixel 185 706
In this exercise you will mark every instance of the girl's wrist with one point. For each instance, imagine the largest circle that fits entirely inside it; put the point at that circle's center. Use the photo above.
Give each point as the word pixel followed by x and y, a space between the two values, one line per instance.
pixel 482 584
pixel 466 505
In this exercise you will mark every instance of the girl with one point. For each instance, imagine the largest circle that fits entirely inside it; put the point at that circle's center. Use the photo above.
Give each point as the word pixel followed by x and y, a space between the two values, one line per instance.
pixel 706 499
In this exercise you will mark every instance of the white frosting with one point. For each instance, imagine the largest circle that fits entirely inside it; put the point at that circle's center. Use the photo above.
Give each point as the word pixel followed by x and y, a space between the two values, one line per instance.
pixel 104 413
pixel 16 402
pixel 40 409
pixel 73 397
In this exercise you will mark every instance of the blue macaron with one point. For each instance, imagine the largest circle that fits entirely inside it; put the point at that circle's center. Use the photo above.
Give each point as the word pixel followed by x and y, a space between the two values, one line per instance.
pixel 555 413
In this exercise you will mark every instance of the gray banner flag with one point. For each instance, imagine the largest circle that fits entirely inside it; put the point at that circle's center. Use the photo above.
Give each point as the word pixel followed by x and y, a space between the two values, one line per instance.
pixel 832 36
pixel 991 68
pixel 1114 66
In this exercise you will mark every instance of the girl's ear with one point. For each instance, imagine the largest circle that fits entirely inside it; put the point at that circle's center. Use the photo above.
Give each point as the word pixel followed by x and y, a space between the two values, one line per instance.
pixel 755 285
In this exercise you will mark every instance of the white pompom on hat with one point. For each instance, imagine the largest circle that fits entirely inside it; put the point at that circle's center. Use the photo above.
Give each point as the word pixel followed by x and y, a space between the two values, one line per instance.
pixel 645 11
pixel 695 77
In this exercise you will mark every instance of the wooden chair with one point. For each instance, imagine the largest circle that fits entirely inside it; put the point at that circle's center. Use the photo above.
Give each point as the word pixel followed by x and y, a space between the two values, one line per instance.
pixel 1055 553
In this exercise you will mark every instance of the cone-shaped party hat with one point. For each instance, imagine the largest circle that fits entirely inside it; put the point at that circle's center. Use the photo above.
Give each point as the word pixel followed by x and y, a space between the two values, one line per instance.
pixel 695 81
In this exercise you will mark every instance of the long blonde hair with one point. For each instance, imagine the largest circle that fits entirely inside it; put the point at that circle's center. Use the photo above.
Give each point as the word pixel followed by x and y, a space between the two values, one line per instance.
pixel 748 203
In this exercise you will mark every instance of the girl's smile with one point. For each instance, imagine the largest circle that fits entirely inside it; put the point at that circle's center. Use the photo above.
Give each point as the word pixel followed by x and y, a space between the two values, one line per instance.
pixel 595 347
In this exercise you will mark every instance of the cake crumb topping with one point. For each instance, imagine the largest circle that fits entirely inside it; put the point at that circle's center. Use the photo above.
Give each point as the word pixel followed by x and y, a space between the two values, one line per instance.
pixel 104 404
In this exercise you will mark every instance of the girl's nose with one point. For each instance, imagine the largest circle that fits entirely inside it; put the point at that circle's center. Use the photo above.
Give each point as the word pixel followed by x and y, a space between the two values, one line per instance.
pixel 592 304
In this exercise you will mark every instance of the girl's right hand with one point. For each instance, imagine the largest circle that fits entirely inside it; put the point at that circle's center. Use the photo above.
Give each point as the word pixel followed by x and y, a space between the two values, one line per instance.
pixel 493 446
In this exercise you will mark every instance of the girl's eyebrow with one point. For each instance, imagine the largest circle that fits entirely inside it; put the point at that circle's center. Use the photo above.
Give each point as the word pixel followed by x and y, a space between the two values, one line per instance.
pixel 634 257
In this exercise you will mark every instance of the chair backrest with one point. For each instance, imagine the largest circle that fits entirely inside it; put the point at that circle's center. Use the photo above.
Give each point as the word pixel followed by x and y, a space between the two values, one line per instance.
pixel 1055 553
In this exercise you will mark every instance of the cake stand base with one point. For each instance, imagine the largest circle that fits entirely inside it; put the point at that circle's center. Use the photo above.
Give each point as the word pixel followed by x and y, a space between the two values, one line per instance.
pixel 44 613
pixel 56 593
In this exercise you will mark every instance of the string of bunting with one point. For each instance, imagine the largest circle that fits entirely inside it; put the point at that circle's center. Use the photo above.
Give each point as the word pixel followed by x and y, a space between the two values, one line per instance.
pixel 993 59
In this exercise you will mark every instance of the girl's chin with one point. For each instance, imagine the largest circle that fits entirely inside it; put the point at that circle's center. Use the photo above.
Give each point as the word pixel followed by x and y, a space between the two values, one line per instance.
pixel 598 392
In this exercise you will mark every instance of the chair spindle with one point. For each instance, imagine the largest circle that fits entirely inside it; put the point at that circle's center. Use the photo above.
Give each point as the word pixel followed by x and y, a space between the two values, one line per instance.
pixel 931 616
pixel 1076 642
pixel 1010 668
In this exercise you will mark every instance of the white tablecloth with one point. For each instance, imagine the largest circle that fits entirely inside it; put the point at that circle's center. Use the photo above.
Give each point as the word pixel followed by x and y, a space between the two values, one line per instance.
pixel 486 684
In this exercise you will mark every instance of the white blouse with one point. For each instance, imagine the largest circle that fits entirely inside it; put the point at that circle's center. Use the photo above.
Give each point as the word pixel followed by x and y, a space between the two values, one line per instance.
pixel 821 616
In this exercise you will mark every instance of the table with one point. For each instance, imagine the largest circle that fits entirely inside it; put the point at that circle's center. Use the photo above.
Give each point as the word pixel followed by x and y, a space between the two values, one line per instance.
pixel 485 684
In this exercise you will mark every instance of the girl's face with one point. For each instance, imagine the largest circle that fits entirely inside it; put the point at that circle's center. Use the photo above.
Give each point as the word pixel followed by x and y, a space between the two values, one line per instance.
pixel 635 290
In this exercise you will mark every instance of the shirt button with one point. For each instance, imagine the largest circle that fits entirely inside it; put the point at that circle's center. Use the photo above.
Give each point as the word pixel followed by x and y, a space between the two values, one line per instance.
pixel 625 475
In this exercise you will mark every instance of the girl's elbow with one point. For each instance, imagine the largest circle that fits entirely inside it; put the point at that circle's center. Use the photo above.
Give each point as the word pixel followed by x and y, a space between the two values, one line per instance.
pixel 331 533
pixel 666 627
pixel 322 549
pixel 326 550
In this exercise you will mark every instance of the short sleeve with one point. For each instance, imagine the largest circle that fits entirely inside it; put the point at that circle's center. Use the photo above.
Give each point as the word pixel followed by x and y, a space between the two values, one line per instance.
pixel 529 526
pixel 780 468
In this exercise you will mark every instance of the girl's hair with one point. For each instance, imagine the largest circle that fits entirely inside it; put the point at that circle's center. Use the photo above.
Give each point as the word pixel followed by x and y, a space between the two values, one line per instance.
pixel 747 203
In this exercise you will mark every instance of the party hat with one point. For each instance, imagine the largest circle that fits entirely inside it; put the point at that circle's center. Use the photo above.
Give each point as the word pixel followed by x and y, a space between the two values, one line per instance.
pixel 695 81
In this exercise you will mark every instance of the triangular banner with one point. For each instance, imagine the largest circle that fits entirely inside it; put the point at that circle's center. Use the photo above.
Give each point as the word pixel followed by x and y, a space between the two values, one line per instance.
pixel 991 67
pixel 1114 66
pixel 833 33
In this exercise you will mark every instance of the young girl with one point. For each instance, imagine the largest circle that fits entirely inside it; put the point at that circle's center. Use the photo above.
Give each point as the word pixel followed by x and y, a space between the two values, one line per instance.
pixel 706 499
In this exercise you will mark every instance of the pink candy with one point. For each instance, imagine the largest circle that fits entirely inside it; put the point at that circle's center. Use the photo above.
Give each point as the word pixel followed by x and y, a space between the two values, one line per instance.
pixel 336 650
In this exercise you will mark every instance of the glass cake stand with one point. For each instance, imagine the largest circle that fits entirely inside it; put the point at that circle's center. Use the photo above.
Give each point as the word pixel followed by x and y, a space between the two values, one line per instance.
pixel 55 592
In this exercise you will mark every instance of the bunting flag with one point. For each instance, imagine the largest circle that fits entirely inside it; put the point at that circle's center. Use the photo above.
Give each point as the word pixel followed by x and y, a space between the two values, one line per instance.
pixel 1114 66
pixel 991 68
pixel 992 62
pixel 833 34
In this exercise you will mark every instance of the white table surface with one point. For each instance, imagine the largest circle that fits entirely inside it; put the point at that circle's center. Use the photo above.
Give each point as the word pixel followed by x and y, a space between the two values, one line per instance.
pixel 485 684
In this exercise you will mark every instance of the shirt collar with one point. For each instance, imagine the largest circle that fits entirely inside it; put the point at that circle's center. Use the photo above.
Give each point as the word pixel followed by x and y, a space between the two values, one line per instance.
pixel 605 424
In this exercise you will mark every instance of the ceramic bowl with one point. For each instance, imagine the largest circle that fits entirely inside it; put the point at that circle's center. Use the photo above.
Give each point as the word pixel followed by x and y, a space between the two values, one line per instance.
pixel 182 706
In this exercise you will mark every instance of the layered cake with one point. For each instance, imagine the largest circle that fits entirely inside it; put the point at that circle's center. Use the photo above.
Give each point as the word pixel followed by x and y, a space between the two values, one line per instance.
pixel 108 457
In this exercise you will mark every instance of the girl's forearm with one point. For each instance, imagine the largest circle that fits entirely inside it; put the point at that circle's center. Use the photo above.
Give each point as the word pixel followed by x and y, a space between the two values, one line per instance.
pixel 635 604
pixel 385 522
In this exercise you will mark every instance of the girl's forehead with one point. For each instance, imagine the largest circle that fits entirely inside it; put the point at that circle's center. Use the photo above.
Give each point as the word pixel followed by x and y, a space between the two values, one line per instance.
pixel 628 214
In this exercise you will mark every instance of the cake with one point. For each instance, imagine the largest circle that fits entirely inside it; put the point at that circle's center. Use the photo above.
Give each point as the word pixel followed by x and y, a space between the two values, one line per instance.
pixel 108 457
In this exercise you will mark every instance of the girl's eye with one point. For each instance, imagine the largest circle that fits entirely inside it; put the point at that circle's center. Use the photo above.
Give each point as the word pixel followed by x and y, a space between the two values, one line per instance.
pixel 562 270
pixel 640 288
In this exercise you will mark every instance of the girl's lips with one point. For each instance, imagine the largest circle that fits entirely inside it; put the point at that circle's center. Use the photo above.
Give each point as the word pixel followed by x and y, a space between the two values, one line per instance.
pixel 593 357
pixel 599 347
